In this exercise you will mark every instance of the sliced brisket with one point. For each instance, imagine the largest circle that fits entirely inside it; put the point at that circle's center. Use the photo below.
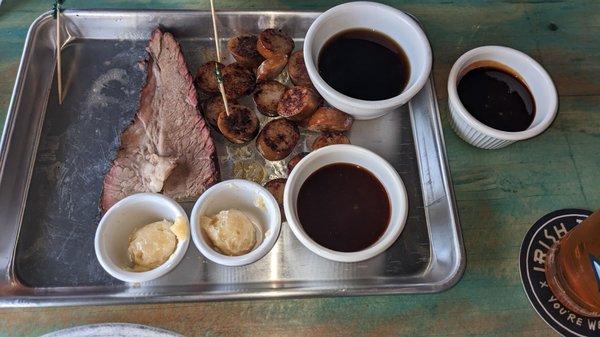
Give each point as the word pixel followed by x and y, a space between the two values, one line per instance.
pixel 168 147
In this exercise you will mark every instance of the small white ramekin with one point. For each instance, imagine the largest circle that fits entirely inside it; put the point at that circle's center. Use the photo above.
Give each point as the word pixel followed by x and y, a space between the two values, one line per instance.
pixel 248 197
pixel 385 19
pixel 121 220
pixel 532 73
pixel 351 154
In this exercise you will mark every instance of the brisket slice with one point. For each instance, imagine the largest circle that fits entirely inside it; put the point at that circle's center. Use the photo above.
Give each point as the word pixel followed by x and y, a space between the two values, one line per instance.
pixel 168 147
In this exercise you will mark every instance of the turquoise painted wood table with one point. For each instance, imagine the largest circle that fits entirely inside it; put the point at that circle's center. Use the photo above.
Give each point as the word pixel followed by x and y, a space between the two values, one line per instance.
pixel 499 193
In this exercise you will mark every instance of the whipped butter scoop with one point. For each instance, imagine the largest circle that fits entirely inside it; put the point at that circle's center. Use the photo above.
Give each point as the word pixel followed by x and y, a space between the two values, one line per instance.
pixel 231 231
pixel 151 245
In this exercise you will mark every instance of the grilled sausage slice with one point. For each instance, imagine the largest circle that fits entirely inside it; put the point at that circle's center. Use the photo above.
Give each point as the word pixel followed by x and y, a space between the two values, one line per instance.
pixel 213 107
pixel 277 139
pixel 272 42
pixel 295 160
pixel 276 187
pixel 243 49
pixel 238 80
pixel 267 97
pixel 297 69
pixel 329 138
pixel 298 103
pixel 206 79
pixel 270 68
pixel 326 119
pixel 240 126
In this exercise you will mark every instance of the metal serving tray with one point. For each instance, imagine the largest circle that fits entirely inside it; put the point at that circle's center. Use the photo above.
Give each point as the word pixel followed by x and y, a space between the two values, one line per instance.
pixel 53 159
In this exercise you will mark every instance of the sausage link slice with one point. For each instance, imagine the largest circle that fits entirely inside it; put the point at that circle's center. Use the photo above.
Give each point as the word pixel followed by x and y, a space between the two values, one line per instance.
pixel 206 79
pixel 243 49
pixel 240 126
pixel 213 107
pixel 277 139
pixel 276 187
pixel 329 138
pixel 298 103
pixel 270 68
pixel 272 42
pixel 297 69
pixel 267 97
pixel 326 119
pixel 295 160
pixel 238 80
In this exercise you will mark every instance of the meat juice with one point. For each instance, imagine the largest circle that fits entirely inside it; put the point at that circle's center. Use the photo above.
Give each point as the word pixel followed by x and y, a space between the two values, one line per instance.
pixel 497 97
pixel 364 64
pixel 343 207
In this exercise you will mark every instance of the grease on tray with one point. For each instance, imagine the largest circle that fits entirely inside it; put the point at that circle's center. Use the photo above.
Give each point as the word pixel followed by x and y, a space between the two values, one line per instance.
pixel 250 170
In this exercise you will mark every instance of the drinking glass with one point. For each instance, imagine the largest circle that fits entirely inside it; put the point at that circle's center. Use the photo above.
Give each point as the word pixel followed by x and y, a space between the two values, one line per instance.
pixel 573 268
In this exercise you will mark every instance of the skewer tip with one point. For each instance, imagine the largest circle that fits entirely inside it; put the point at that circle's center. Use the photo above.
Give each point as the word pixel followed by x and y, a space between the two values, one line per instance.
pixel 218 52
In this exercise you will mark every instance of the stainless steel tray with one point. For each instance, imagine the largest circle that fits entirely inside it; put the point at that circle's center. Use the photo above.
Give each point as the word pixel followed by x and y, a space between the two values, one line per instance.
pixel 53 159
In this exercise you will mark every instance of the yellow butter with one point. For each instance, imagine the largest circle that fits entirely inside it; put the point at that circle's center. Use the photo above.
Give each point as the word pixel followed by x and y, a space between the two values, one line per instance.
pixel 181 228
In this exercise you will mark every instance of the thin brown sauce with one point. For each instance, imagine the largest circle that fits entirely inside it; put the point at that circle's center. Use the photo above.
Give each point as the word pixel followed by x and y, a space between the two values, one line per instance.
pixel 497 98
pixel 343 207
pixel 364 64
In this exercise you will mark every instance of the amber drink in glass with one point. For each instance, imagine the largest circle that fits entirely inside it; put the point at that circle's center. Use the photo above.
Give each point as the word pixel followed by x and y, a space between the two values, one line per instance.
pixel 573 268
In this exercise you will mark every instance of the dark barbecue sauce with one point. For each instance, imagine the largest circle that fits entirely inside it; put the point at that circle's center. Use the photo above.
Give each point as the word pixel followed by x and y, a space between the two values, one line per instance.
pixel 364 64
pixel 497 98
pixel 343 207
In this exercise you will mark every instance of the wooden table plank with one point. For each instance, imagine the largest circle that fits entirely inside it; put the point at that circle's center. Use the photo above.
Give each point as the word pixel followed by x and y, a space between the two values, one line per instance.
pixel 500 193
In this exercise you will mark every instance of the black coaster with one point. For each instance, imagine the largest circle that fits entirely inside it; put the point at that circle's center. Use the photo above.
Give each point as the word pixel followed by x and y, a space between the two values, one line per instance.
pixel 537 241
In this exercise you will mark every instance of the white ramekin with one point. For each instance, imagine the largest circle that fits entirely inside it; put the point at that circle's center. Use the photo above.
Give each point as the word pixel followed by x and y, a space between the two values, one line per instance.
pixel 532 73
pixel 248 197
pixel 121 220
pixel 352 154
pixel 385 19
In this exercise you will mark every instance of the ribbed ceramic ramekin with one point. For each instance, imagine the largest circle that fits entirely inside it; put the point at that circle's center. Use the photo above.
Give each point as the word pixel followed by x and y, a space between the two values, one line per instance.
pixel 535 77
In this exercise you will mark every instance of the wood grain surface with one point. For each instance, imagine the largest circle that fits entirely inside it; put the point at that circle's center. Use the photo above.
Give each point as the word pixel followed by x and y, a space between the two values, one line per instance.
pixel 500 193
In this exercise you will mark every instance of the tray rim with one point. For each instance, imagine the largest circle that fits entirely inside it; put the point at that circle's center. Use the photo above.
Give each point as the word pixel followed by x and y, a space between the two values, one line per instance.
pixel 15 294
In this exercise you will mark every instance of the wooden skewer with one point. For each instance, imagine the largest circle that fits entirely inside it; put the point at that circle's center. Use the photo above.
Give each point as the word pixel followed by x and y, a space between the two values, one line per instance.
pixel 58 60
pixel 218 50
